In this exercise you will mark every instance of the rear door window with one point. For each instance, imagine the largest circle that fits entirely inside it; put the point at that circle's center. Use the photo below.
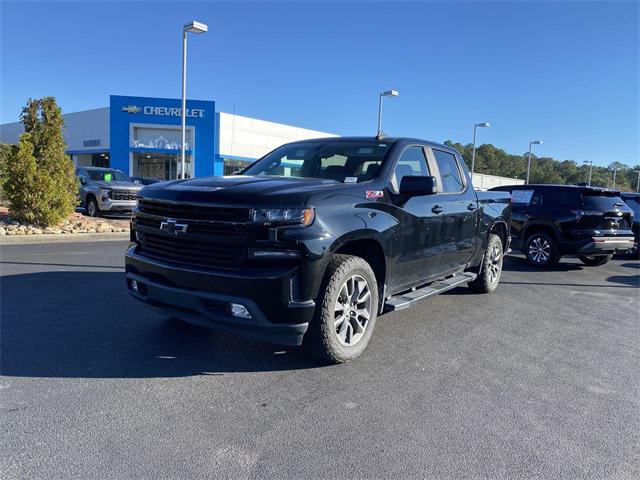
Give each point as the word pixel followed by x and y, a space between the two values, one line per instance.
pixel 449 171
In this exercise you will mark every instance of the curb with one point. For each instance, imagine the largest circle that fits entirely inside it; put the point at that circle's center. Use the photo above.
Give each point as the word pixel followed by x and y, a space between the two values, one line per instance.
pixel 63 238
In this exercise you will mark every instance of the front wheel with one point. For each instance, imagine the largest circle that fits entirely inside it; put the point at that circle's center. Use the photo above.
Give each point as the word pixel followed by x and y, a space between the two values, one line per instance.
pixel 489 276
pixel 595 260
pixel 346 311
pixel 92 208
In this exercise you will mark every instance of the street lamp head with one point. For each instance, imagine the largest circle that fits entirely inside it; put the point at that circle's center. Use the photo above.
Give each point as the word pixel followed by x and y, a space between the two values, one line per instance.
pixel 483 125
pixel 195 27
pixel 588 161
pixel 390 93
pixel 535 142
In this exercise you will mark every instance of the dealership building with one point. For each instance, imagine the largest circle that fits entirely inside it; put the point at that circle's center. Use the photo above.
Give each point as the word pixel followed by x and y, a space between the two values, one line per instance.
pixel 141 136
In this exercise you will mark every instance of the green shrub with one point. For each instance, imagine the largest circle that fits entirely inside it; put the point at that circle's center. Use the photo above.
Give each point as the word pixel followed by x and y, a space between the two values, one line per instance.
pixel 38 177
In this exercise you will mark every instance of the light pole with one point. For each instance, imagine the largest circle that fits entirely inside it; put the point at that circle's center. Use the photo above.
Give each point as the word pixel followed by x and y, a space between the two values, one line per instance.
pixel 590 162
pixel 387 93
pixel 638 183
pixel 532 142
pixel 197 28
pixel 473 152
pixel 615 170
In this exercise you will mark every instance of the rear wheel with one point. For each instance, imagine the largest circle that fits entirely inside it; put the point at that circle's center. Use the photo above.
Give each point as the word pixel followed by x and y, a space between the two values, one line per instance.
pixel 541 250
pixel 346 311
pixel 595 260
pixel 489 276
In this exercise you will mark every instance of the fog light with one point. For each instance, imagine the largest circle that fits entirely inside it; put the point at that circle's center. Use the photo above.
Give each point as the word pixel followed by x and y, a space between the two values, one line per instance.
pixel 134 285
pixel 238 310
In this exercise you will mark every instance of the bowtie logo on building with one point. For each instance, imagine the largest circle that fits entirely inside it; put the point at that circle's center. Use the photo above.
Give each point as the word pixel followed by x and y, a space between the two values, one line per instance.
pixel 131 109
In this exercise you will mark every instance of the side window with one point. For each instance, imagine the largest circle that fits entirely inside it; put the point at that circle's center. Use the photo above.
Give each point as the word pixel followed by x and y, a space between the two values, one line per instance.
pixel 411 162
pixel 449 171
pixel 562 197
pixel 522 198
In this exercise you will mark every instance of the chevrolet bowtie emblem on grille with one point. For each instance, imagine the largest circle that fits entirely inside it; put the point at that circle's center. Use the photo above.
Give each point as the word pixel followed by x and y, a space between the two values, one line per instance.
pixel 131 109
pixel 171 226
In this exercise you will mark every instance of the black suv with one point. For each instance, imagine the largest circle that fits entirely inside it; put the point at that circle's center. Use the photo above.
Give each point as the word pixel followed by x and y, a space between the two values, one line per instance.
pixel 550 221
pixel 633 202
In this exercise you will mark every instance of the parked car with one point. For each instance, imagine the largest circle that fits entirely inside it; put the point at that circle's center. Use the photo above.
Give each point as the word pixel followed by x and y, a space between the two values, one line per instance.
pixel 633 202
pixel 106 190
pixel 314 240
pixel 550 221
pixel 145 180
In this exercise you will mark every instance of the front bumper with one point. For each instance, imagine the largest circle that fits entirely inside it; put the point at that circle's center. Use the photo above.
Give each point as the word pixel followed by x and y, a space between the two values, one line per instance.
pixel 202 297
pixel 606 245
pixel 109 205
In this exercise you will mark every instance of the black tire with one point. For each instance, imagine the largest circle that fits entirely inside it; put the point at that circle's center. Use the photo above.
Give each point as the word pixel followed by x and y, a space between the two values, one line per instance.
pixel 489 277
pixel 541 250
pixel 323 338
pixel 595 260
pixel 92 209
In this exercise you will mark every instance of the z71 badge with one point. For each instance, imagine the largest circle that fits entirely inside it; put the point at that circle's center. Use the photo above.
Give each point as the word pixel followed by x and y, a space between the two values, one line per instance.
pixel 375 194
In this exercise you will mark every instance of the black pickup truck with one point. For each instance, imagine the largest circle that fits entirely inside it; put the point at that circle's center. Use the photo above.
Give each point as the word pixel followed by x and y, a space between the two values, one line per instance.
pixel 311 242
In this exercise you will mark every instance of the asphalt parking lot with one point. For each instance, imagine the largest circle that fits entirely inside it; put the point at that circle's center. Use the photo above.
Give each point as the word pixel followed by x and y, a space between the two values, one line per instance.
pixel 540 380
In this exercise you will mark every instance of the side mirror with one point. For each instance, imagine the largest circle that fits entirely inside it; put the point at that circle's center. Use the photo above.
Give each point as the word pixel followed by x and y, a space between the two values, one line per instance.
pixel 418 185
pixel 83 180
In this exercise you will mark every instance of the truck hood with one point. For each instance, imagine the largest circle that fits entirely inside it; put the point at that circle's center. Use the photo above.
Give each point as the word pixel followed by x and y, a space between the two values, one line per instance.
pixel 118 185
pixel 243 190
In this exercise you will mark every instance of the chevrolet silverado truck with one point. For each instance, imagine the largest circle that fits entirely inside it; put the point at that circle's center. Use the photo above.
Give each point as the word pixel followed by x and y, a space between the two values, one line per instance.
pixel 106 190
pixel 309 244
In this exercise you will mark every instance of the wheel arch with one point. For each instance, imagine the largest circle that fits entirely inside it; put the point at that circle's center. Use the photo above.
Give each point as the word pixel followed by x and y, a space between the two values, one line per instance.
pixel 371 251
pixel 500 228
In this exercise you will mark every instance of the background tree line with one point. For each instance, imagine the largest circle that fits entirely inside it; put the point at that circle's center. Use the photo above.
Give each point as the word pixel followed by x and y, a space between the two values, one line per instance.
pixel 495 161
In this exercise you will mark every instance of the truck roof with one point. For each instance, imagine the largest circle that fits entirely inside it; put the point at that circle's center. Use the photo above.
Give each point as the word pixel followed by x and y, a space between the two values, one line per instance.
pixel 381 140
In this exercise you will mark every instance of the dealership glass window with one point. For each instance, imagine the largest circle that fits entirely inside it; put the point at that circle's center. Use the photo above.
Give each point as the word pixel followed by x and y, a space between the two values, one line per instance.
pixel 160 165
pixel 159 138
pixel 234 166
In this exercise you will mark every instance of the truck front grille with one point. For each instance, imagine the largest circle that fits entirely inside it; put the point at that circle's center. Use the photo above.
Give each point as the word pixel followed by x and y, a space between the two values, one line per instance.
pixel 191 252
pixel 185 211
pixel 123 195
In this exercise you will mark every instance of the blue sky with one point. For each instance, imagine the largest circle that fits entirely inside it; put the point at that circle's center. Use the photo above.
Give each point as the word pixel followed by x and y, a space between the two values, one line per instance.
pixel 564 72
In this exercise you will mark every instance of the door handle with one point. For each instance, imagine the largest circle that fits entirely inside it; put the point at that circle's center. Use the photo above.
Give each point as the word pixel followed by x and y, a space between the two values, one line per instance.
pixel 437 209
pixel 471 207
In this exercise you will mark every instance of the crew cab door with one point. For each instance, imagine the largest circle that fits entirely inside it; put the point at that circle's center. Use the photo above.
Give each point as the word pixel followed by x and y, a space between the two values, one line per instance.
pixel 459 203
pixel 419 224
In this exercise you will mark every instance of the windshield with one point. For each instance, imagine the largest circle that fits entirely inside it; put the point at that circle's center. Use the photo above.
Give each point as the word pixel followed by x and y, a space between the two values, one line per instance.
pixel 342 161
pixel 108 175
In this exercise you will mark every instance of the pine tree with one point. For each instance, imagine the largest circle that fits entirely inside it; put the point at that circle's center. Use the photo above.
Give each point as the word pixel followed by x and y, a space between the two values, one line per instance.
pixel 39 179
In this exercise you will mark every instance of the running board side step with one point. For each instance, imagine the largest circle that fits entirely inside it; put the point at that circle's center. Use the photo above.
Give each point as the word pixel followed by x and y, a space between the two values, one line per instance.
pixel 404 300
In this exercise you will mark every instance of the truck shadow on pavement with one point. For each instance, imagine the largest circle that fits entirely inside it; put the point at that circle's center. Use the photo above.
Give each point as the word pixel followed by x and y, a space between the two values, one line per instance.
pixel 84 324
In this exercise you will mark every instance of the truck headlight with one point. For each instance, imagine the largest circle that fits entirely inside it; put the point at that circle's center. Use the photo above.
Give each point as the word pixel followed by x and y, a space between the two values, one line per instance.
pixel 285 216
pixel 105 193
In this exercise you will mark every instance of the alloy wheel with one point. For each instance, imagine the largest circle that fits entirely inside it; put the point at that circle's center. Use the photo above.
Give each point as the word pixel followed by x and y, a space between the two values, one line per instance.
pixel 495 263
pixel 539 250
pixel 352 310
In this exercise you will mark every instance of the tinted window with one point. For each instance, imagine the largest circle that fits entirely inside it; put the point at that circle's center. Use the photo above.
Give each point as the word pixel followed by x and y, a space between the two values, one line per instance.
pixel 562 197
pixel 411 162
pixel 601 200
pixel 449 173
